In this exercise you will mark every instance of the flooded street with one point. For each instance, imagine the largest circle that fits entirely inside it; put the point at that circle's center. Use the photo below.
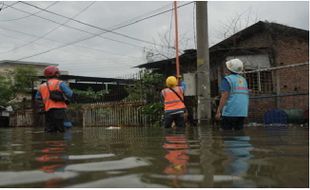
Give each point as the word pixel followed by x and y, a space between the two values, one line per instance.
pixel 154 157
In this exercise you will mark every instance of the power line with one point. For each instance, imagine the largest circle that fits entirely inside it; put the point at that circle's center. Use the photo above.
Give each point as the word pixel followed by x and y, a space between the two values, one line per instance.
pixel 170 27
pixel 91 25
pixel 138 17
pixel 2 6
pixel 85 47
pixel 148 17
pixel 68 44
pixel 113 29
pixel 7 6
pixel 95 35
pixel 55 48
pixel 52 30
pixel 52 4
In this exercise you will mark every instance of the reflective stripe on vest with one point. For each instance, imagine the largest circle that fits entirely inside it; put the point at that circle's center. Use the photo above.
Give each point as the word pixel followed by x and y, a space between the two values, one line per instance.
pixel 171 100
pixel 54 84
pixel 238 100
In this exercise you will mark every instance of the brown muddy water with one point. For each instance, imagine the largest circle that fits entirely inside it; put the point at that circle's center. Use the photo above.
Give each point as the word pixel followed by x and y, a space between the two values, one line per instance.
pixel 154 157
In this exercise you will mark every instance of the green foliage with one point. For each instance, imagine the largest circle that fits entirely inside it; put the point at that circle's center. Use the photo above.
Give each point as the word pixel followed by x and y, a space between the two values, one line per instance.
pixel 75 107
pixel 6 92
pixel 148 89
pixel 23 78
pixel 17 81
pixel 89 94
pixel 154 112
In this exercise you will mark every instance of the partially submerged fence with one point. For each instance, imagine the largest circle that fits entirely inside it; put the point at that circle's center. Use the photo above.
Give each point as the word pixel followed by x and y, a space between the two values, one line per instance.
pixel 114 114
pixel 88 115
pixel 22 118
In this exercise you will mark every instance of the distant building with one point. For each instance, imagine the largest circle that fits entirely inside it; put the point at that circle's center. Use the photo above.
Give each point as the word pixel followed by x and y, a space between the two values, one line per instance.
pixel 114 89
pixel 8 65
pixel 265 46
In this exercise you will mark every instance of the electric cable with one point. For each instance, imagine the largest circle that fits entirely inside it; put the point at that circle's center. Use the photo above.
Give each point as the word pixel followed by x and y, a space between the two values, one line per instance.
pixel 20 18
pixel 148 17
pixel 170 28
pixel 77 45
pixel 114 29
pixel 7 6
pixel 52 30
pixel 91 25
pixel 140 16
pixel 64 45
pixel 95 35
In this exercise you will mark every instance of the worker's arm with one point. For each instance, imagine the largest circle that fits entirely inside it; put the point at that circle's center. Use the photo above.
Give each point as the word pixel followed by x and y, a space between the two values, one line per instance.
pixel 183 86
pixel 223 100
pixel 38 96
pixel 39 105
pixel 225 89
pixel 66 89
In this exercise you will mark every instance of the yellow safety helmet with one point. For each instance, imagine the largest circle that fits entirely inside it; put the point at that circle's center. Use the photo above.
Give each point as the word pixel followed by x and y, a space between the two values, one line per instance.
pixel 171 81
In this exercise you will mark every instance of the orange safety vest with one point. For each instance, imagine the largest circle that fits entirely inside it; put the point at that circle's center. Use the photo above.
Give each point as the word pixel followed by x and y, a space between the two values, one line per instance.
pixel 171 100
pixel 54 84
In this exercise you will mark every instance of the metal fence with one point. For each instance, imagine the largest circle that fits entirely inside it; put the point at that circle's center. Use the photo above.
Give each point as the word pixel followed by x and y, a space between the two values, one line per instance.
pixel 114 114
pixel 22 118
pixel 284 87
pixel 128 113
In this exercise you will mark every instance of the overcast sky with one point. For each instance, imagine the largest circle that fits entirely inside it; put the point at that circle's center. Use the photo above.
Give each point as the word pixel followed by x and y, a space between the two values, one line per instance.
pixel 31 34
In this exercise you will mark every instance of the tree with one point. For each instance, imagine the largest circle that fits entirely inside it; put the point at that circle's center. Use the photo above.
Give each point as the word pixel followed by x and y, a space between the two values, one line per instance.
pixel 147 89
pixel 6 92
pixel 23 78
pixel 165 47
pixel 237 23
pixel 17 81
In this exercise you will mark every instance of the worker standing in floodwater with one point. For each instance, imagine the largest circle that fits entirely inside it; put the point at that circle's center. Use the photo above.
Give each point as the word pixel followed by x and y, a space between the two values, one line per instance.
pixel 54 94
pixel 234 102
pixel 173 98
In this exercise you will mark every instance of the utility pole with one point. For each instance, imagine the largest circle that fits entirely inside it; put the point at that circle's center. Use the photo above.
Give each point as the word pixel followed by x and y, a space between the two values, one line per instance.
pixel 203 64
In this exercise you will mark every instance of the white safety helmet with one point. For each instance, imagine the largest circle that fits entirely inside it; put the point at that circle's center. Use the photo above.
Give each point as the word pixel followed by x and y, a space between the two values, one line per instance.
pixel 235 65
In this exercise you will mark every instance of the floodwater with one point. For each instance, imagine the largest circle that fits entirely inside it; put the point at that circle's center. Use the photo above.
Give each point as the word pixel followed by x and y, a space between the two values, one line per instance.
pixel 154 157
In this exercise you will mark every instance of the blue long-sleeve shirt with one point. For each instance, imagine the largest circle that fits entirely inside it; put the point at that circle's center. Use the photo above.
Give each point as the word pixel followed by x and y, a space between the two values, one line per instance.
pixel 63 87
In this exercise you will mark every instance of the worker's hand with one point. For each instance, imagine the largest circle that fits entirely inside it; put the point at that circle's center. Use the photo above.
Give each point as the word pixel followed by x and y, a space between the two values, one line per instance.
pixel 218 116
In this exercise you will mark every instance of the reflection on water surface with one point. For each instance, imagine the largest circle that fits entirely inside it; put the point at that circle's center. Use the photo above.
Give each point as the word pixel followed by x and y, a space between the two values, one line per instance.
pixel 154 157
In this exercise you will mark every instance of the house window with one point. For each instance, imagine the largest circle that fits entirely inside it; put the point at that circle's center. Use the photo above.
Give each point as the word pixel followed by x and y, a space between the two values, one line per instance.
pixel 260 82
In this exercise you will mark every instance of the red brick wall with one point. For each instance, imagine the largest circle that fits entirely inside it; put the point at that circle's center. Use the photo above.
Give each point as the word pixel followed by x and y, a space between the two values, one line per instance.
pixel 288 50
pixel 258 107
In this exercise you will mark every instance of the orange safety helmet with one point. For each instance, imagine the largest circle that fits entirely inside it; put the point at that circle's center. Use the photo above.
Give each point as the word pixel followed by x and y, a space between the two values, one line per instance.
pixel 51 71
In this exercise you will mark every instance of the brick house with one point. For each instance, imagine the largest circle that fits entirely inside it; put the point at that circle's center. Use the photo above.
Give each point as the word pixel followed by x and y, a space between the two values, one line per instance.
pixel 279 52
